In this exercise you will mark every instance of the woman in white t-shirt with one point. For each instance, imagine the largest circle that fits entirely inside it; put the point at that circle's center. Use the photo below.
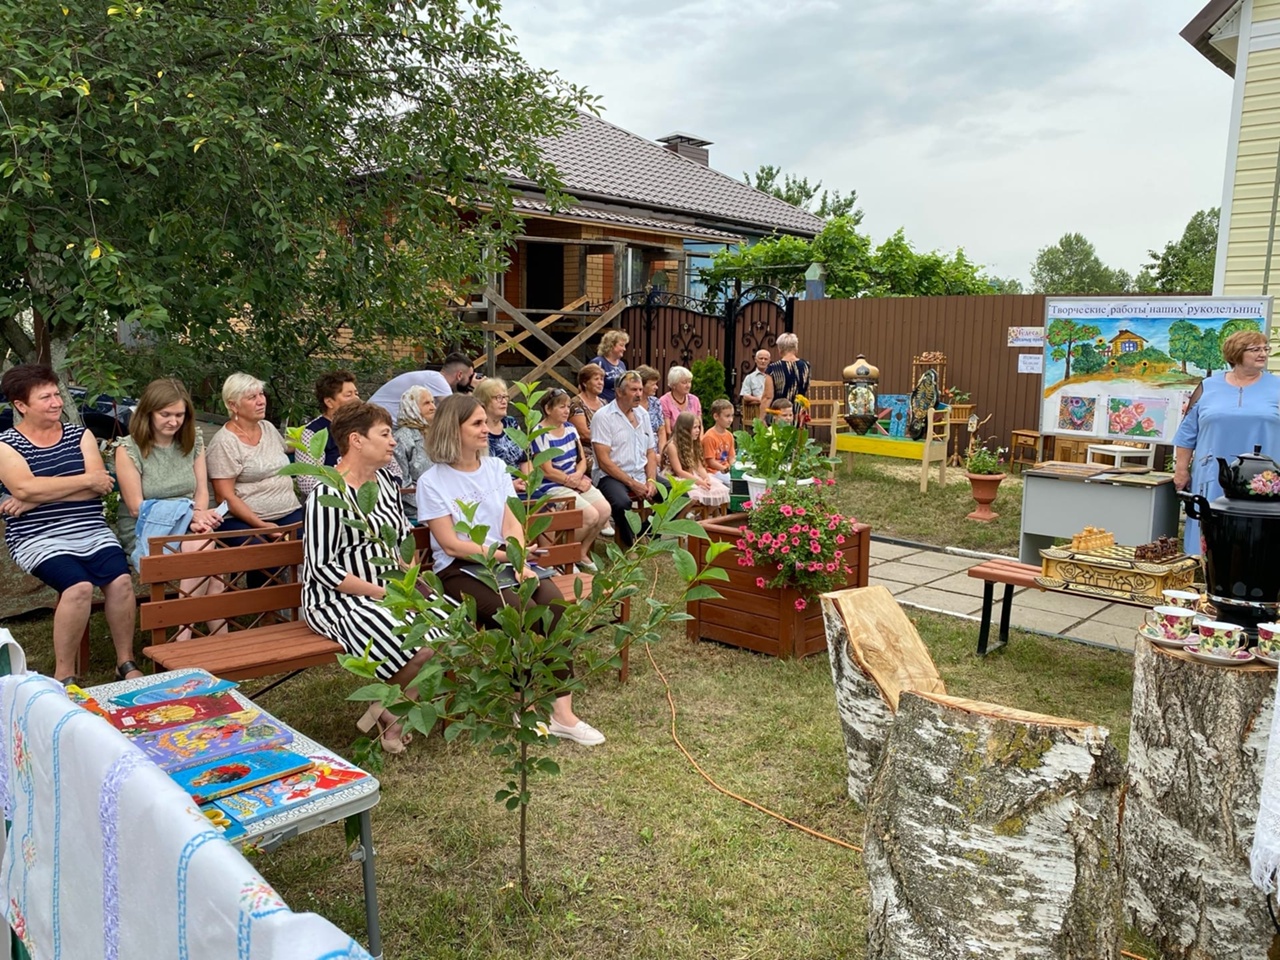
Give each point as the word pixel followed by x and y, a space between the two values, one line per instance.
pixel 458 442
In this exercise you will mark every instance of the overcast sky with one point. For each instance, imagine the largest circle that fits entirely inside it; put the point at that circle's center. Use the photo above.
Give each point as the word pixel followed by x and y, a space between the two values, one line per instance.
pixel 992 125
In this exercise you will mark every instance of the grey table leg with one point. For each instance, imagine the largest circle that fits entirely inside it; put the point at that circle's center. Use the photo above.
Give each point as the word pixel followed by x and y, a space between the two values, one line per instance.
pixel 370 886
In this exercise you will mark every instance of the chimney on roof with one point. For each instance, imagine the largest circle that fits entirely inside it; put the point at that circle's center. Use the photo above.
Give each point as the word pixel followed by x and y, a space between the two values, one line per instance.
pixel 687 145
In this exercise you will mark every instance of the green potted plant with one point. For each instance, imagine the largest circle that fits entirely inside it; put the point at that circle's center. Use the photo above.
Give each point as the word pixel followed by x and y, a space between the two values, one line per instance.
pixel 778 453
pixel 983 468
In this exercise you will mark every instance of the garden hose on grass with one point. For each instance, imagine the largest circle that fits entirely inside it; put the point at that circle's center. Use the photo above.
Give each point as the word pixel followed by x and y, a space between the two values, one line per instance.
pixel 675 737
pixel 729 793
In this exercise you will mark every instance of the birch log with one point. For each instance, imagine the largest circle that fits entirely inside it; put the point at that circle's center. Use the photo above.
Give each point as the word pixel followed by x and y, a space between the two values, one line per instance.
pixel 993 833
pixel 1197 749
pixel 875 654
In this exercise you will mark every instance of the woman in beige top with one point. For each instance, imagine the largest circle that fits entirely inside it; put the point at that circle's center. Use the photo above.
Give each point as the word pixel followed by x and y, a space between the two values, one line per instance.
pixel 244 460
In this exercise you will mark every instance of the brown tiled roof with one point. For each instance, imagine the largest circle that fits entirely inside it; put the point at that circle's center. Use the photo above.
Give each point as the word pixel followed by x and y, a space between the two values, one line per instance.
pixel 598 215
pixel 601 162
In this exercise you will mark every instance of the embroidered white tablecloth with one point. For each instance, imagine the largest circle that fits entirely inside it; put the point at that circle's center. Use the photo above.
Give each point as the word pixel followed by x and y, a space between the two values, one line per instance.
pixel 107 857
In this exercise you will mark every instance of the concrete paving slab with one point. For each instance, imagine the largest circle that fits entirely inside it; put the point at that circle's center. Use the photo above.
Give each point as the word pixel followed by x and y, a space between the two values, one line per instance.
pixel 963 583
pixel 890 551
pixel 941 600
pixel 906 573
pixel 941 561
pixel 1041 620
pixel 1121 638
pixel 1120 615
pixel 893 586
pixel 1081 607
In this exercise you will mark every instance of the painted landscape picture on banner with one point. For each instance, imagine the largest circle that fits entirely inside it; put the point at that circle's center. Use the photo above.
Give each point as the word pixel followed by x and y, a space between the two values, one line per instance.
pixel 1123 369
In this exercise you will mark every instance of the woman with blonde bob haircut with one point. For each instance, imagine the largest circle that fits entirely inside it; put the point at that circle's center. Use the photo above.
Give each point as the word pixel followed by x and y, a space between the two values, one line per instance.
pixel 245 458
pixel 679 398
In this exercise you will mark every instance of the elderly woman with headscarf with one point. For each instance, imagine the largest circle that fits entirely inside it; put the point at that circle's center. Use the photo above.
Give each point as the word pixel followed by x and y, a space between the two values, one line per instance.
pixel 417 410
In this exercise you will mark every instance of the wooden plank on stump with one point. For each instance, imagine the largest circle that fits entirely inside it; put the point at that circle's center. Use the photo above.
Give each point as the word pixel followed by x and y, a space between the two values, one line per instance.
pixel 875 655
pixel 993 833
pixel 1197 750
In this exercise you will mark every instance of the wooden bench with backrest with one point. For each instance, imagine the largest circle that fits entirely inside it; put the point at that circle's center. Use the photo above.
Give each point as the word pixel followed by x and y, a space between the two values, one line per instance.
pixel 266 635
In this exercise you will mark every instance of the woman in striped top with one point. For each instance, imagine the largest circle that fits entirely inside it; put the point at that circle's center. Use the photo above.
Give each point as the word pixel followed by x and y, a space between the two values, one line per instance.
pixel 341 580
pixel 565 474
pixel 54 526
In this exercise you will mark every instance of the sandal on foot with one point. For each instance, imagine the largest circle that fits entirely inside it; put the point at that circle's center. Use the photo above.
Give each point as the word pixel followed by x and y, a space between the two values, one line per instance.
pixel 124 669
pixel 373 718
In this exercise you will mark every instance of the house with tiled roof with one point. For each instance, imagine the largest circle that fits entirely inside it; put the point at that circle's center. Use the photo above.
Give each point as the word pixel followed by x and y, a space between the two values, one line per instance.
pixel 1242 39
pixel 645 213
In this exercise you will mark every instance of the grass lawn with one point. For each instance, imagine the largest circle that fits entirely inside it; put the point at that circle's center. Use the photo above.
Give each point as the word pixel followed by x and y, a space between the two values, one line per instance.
pixel 885 492
pixel 633 855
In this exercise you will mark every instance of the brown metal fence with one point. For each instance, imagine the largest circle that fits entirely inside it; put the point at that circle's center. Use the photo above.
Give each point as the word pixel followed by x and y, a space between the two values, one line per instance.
pixel 971 331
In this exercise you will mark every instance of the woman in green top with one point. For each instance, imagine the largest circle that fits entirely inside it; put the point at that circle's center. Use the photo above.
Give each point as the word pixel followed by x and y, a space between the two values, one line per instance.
pixel 163 459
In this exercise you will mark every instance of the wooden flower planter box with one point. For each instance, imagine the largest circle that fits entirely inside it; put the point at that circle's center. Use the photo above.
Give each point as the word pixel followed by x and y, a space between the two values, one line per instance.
pixel 764 620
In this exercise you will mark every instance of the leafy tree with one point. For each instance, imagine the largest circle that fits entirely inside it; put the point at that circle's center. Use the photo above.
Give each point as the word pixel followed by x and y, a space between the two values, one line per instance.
pixel 1090 358
pixel 1065 335
pixel 1005 285
pixel 798 192
pixel 854 268
pixel 249 173
pixel 1184 342
pixel 1208 350
pixel 1072 266
pixel 1186 266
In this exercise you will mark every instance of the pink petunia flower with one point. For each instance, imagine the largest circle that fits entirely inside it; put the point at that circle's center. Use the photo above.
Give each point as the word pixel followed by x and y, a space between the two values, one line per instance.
pixel 786 510
pixel 839 538
pixel 801 603
pixel 760 582
pixel 815 546
pixel 786 549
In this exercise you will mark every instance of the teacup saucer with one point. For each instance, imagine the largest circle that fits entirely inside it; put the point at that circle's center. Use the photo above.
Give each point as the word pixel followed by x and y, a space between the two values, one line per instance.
pixel 1266 658
pixel 1235 658
pixel 1160 640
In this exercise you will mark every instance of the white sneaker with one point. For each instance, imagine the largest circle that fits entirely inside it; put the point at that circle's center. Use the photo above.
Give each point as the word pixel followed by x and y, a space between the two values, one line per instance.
pixel 588 565
pixel 607 531
pixel 581 733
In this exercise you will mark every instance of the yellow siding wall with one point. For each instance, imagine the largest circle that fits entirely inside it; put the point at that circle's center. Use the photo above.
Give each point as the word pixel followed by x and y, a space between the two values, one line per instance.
pixel 1266 10
pixel 1255 176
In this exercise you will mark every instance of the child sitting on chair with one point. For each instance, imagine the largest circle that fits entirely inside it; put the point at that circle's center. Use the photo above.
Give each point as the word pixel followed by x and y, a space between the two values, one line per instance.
pixel 782 412
pixel 684 460
pixel 718 451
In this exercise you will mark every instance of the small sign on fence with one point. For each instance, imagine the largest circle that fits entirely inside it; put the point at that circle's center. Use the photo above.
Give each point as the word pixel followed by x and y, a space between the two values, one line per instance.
pixel 1026 337
pixel 1031 363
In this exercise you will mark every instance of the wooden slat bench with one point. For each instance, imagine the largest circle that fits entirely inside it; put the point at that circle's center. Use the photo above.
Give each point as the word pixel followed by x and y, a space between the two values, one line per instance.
pixel 266 635
pixel 1012 574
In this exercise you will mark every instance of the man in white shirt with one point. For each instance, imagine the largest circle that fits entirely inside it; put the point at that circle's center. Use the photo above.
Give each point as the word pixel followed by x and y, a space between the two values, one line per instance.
pixel 454 377
pixel 626 453
pixel 752 391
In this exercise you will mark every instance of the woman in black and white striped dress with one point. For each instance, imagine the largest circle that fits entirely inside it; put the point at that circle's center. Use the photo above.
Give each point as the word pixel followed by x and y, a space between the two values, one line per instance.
pixel 341 585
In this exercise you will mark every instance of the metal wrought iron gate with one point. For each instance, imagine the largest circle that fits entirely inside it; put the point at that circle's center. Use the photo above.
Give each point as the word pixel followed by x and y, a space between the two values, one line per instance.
pixel 668 329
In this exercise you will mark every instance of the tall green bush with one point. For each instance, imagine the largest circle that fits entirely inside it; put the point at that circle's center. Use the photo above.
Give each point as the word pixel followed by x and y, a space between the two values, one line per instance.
pixel 708 385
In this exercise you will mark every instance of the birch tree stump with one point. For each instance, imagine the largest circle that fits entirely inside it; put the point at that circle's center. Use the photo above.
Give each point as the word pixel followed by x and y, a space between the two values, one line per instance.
pixel 993 833
pixel 876 654
pixel 1197 750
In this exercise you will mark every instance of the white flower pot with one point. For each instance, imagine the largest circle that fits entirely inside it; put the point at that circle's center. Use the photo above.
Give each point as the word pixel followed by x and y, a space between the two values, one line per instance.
pixel 756 485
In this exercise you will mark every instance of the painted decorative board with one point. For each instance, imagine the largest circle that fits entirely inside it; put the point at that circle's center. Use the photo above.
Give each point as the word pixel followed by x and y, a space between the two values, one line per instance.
pixel 1112 573
pixel 1123 369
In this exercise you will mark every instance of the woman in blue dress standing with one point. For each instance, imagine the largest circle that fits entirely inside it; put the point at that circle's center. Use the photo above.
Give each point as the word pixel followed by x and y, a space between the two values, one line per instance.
pixel 1228 415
